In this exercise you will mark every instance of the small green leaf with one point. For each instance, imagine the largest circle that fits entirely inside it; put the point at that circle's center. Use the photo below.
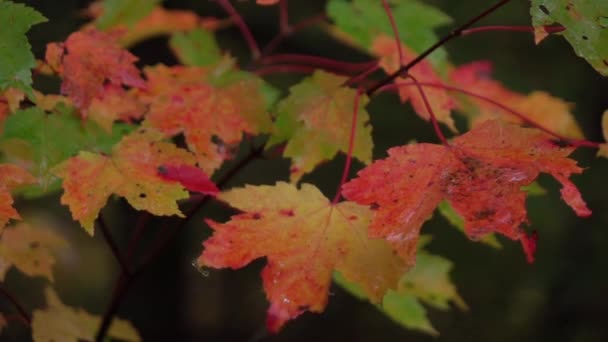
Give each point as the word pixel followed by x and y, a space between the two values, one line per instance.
pixel 446 210
pixel 428 282
pixel 586 24
pixel 40 141
pixel 364 20
pixel 126 12
pixel 197 47
pixel 407 311
pixel 16 58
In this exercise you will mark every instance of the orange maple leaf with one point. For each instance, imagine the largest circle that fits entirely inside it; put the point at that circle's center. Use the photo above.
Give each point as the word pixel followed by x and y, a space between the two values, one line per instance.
pixel 89 59
pixel 115 104
pixel 212 117
pixel 480 173
pixel 11 177
pixel 29 250
pixel 440 101
pixel 548 111
pixel 131 172
pixel 304 238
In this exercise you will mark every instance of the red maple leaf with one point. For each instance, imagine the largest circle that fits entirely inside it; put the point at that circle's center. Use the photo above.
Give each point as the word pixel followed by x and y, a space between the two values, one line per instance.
pixel 480 173
pixel 89 59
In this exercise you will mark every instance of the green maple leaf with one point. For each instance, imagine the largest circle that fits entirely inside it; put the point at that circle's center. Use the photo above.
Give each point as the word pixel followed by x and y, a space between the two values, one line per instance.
pixel 40 141
pixel 197 47
pixel 16 58
pixel 428 282
pixel 586 24
pixel 124 12
pixel 364 20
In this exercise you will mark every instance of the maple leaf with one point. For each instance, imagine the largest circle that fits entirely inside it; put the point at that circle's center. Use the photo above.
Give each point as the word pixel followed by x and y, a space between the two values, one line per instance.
pixel 131 172
pixel 480 173
pixel 29 250
pixel 428 282
pixel 159 22
pixel 540 107
pixel 266 2
pixel 61 323
pixel 197 47
pixel 11 177
pixel 316 120
pixel 304 238
pixel 38 141
pixel 585 23
pixel 15 55
pixel 121 12
pixel 361 21
pixel 440 101
pixel 115 104
pixel 212 107
pixel 191 177
pixel 90 59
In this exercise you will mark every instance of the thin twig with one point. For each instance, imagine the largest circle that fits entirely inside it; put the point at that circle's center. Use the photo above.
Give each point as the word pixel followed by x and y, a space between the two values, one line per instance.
pixel 112 244
pixel 317 61
pixel 453 34
pixel 285 69
pixel 240 23
pixel 17 305
pixel 278 39
pixel 125 281
pixel 493 28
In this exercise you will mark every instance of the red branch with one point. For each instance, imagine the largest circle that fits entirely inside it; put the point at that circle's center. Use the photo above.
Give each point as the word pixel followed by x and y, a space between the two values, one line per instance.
pixel 391 18
pixel 351 145
pixel 548 29
pixel 363 75
pixel 285 69
pixel 284 33
pixel 240 23
pixel 317 61
pixel 22 313
pixel 283 17
pixel 430 110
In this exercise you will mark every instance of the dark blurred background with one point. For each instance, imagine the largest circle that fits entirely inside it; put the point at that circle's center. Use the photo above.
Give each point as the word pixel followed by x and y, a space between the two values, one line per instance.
pixel 563 296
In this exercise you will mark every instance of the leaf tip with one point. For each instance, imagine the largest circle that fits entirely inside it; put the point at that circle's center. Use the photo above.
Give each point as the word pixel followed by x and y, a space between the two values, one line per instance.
pixel 529 244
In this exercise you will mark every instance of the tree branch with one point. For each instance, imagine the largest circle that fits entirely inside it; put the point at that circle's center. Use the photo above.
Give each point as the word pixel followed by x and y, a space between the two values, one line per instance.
pixel 22 313
pixel 453 34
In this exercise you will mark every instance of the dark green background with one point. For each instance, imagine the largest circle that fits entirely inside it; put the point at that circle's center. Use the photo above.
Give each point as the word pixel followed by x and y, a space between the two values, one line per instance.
pixel 561 297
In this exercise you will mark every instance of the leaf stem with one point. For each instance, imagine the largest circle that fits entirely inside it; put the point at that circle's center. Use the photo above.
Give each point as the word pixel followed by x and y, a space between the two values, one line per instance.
pixel 548 29
pixel 430 110
pixel 240 23
pixel 453 34
pixel 284 33
pixel 351 145
pixel 285 69
pixel 363 75
pixel 317 61
pixel 283 17
pixel 391 18
pixel 112 244
pixel 22 313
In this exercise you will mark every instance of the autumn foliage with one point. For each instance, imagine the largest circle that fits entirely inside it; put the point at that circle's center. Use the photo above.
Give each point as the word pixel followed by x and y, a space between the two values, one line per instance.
pixel 156 135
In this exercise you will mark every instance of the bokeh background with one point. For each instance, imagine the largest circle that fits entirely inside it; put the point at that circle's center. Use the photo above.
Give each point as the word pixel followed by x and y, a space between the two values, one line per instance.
pixel 563 296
